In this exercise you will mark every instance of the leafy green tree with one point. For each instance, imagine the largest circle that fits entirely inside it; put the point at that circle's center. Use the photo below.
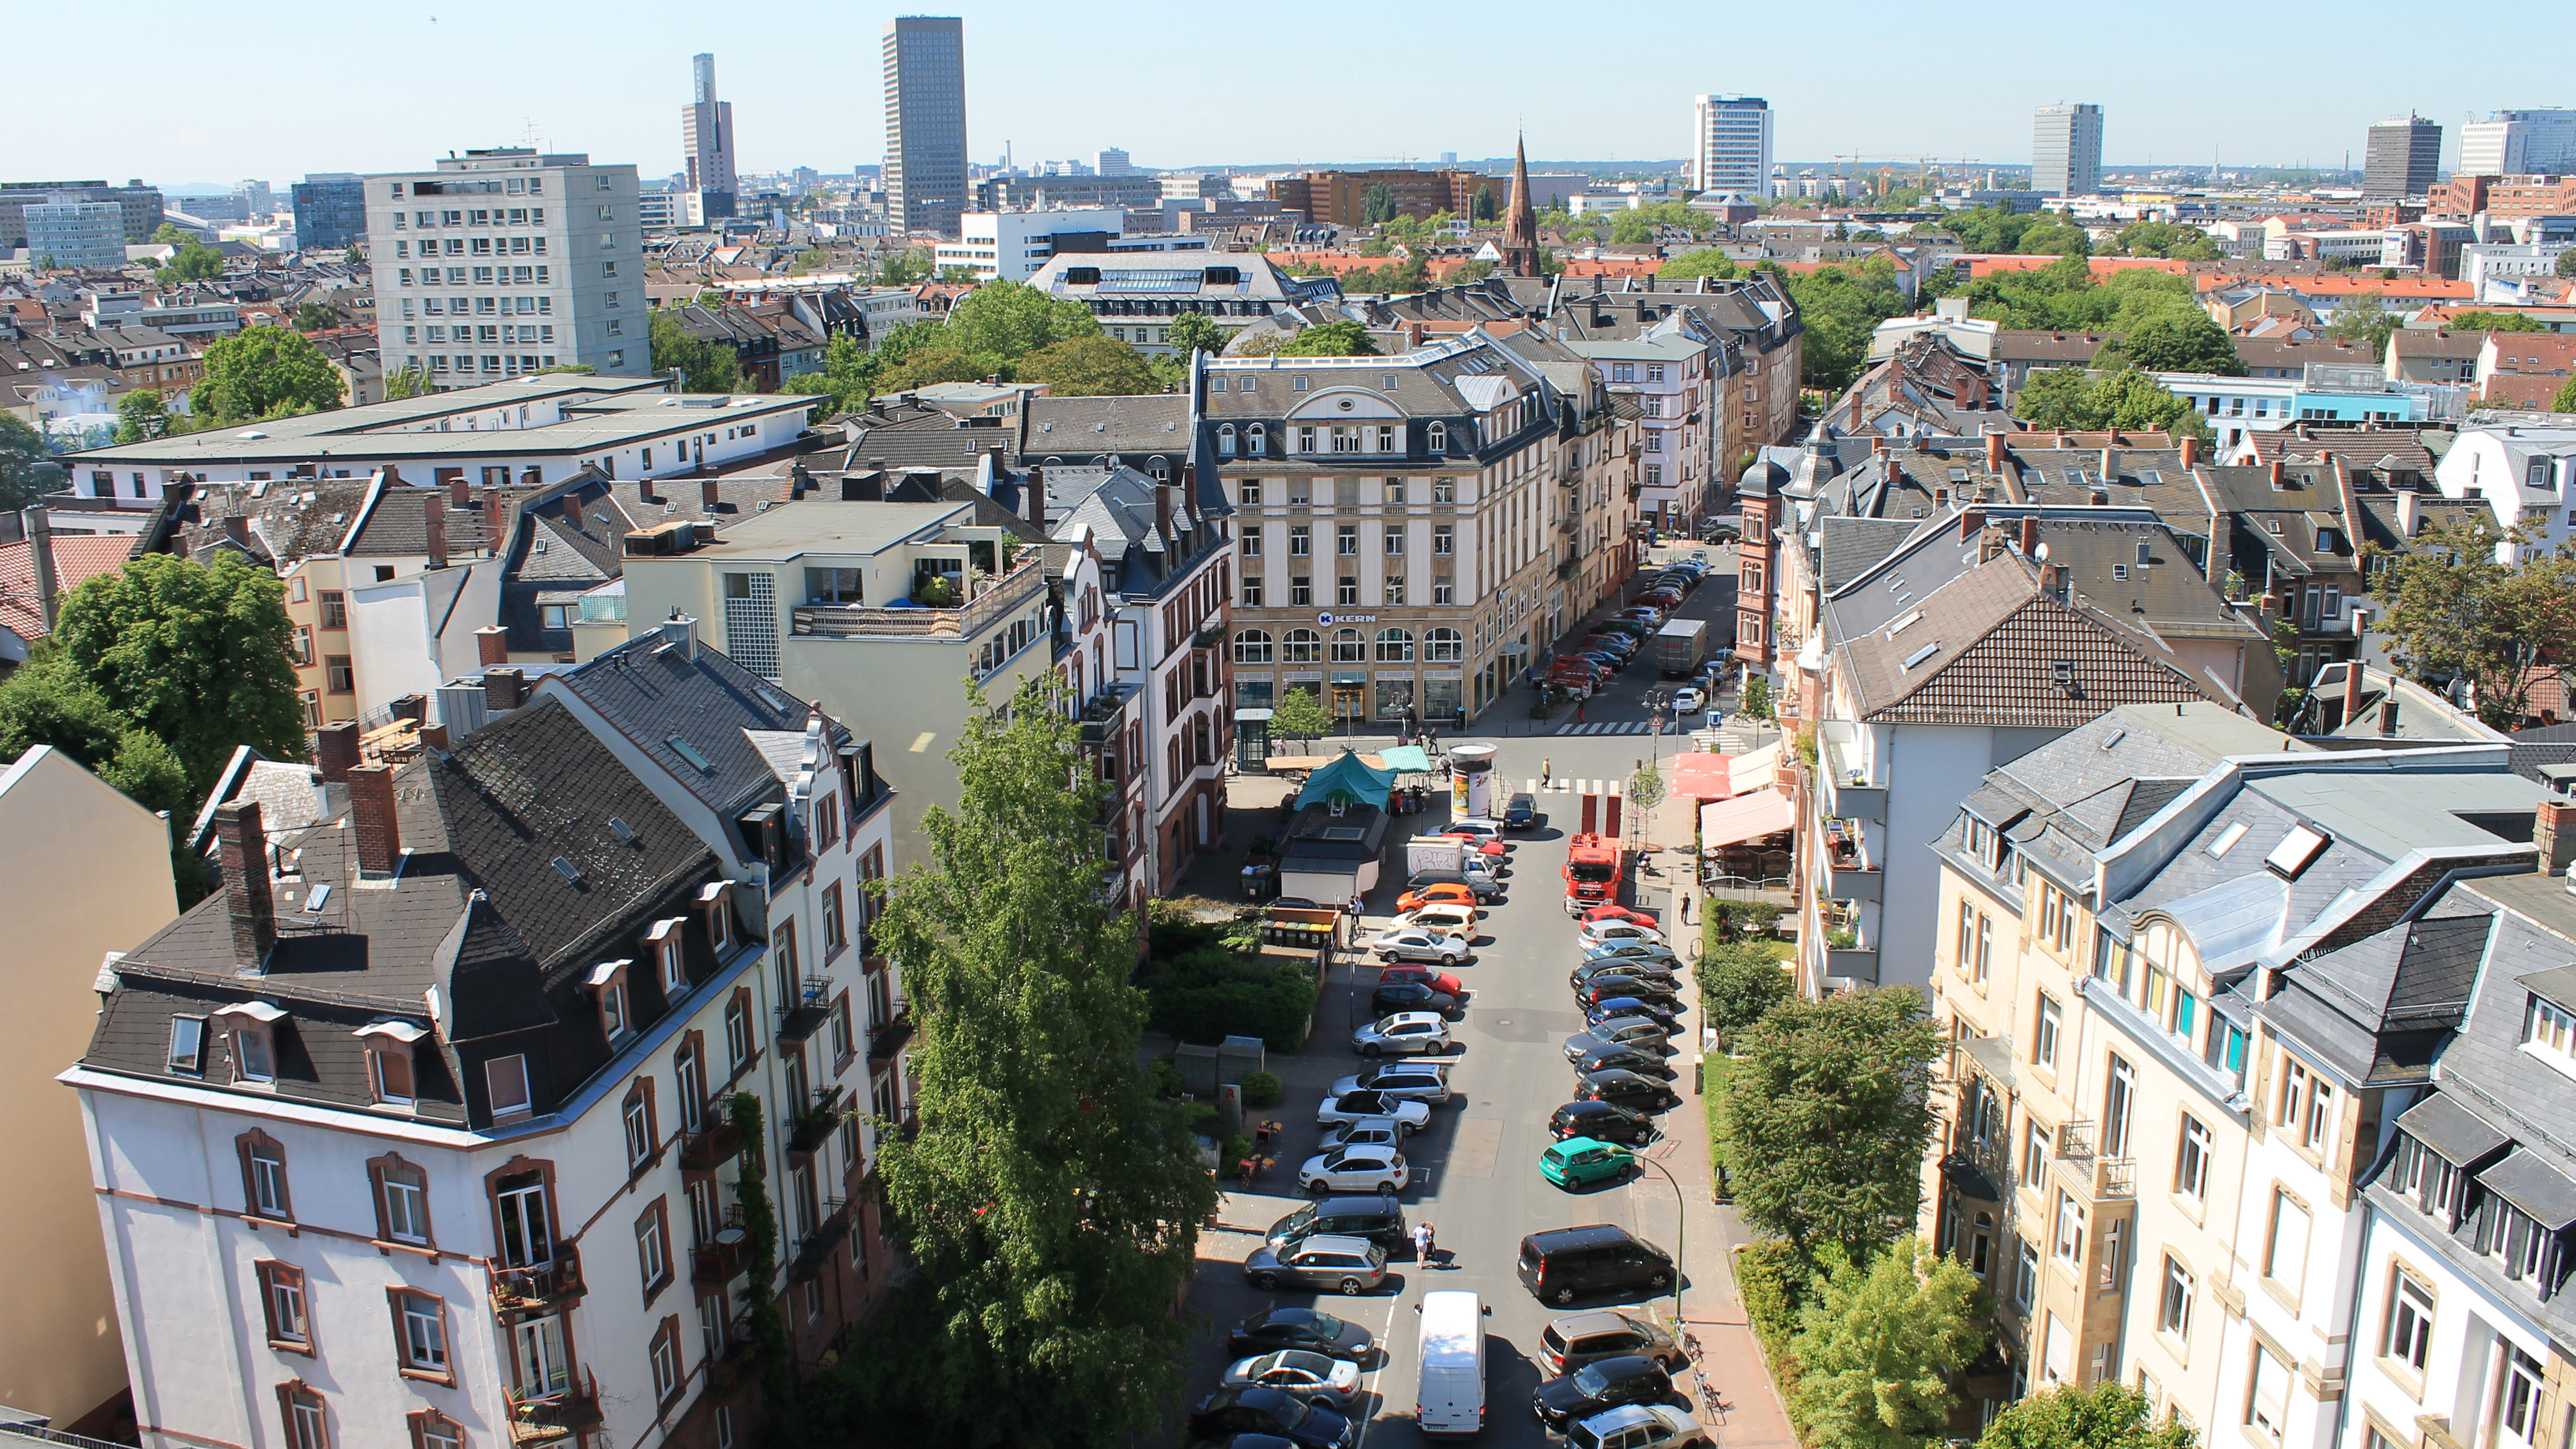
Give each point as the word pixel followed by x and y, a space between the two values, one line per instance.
pixel 926 365
pixel 171 234
pixel 1050 1203
pixel 1828 1115
pixel 1630 228
pixel 812 259
pixel 1705 262
pixel 1840 307
pixel 847 381
pixel 2122 398
pixel 316 316
pixel 1377 204
pixel 1298 714
pixel 1091 366
pixel 2165 239
pixel 1474 269
pixel 2566 266
pixel 409 382
pixel 1345 338
pixel 47 703
pixel 2498 321
pixel 704 366
pixel 141 415
pixel 1756 703
pixel 2057 397
pixel 1193 332
pixel 194 262
pixel 1646 787
pixel 2565 402
pixel 264 372
pixel 904 268
pixel 1877 1348
pixel 999 323
pixel 1739 983
pixel 2184 341
pixel 2364 318
pixel 2454 610
pixel 2103 1416
pixel 1486 207
pixel 21 449
pixel 195 653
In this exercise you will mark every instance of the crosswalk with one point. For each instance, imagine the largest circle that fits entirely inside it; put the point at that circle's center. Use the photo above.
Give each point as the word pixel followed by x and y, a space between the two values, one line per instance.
pixel 1567 786
pixel 1607 727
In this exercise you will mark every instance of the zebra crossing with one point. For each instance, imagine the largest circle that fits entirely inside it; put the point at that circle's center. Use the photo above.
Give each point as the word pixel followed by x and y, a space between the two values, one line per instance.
pixel 1530 784
pixel 1607 727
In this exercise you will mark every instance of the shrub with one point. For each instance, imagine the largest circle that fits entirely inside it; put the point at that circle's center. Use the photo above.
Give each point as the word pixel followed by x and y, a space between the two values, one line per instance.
pixel 1165 1074
pixel 1738 983
pixel 1202 987
pixel 1262 1089
pixel 1775 1283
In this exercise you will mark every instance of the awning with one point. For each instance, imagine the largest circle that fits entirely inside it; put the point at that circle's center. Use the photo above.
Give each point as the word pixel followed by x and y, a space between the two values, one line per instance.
pixel 1405 758
pixel 1746 817
pixel 1348 780
pixel 1701 775
pixel 1759 770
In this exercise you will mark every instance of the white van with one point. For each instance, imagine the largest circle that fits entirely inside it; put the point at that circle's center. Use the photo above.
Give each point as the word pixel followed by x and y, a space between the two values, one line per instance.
pixel 1451 1400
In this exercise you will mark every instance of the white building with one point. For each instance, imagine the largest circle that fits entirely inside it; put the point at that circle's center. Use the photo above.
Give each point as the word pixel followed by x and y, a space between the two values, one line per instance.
pixel 538 262
pixel 2496 271
pixel 1730 143
pixel 2527 474
pixel 706 139
pixel 2066 150
pixel 89 235
pixel 1012 245
pixel 2519 143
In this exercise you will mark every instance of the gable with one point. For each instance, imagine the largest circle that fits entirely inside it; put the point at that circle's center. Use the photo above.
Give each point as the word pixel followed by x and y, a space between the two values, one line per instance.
pixel 2009 676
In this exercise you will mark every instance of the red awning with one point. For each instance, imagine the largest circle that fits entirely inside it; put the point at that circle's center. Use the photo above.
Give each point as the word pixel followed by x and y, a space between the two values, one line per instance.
pixel 1701 775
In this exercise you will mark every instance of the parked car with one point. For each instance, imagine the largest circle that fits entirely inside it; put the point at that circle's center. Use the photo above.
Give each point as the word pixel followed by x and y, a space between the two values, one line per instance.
pixel 1314 1377
pixel 1407 1033
pixel 1324 1261
pixel 1663 973
pixel 1352 1106
pixel 1521 812
pixel 1440 893
pixel 1666 1014
pixel 1578 1339
pixel 1579 1160
pixel 1424 1082
pixel 1440 981
pixel 1642 1033
pixel 1592 933
pixel 1455 920
pixel 1654 990
pixel 1394 996
pixel 1478 880
pixel 1304 1328
pixel 1370 1132
pixel 1646 614
pixel 1355 1169
pixel 1637 1426
pixel 1605 1384
pixel 1270 1411
pixel 1623 1088
pixel 1378 1219
pixel 1478 826
pixel 1637 948
pixel 1560 1264
pixel 1603 1122
pixel 1644 1061
pixel 1688 700
pixel 1613 912
pixel 1415 944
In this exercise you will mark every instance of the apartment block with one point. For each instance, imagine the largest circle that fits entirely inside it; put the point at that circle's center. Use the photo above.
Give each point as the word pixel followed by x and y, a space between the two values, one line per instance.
pixel 139 207
pixel 2066 150
pixel 1341 198
pixel 2404 158
pixel 1730 144
pixel 1136 297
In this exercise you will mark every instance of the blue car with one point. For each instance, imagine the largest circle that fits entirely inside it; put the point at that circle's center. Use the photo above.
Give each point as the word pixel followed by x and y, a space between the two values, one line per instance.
pixel 1666 1013
pixel 1521 813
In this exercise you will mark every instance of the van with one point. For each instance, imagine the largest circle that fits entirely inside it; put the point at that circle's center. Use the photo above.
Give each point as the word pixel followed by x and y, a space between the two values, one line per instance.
pixel 1451 1401
pixel 1378 1219
pixel 1558 1265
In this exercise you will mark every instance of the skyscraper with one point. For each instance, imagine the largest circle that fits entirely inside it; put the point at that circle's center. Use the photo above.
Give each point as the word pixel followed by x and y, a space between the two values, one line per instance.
pixel 925 98
pixel 2519 143
pixel 1113 162
pixel 2066 150
pixel 330 210
pixel 1730 143
pixel 2404 159
pixel 706 136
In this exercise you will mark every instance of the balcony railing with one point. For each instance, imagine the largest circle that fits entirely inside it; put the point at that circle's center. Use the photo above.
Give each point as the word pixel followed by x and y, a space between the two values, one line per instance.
pixel 544 1418
pixel 725 1258
pixel 1103 715
pixel 811 1128
pixel 802 1017
pixel 713 1144
pixel 547 1287
pixel 997 598
pixel 886 1038
pixel 815 1248
pixel 732 1368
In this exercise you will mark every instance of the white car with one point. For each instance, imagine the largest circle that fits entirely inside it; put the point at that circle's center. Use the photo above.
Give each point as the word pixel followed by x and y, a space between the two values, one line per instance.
pixel 1415 944
pixel 1333 1382
pixel 1637 1426
pixel 1356 1105
pixel 1481 827
pixel 1355 1169
pixel 1596 932
pixel 1366 1132
pixel 1406 1033
pixel 1426 1082
pixel 1688 700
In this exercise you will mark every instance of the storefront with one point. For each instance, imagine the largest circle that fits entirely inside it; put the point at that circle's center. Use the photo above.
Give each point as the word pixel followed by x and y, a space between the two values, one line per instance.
pixel 1395 697
pixel 1443 694
pixel 1349 695
pixel 1253 692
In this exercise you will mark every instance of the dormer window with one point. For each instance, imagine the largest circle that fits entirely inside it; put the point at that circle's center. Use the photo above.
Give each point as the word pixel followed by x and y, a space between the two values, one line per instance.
pixel 250 1034
pixel 717 901
pixel 1258 437
pixel 389 1061
pixel 1438 437
pixel 2550 1029
pixel 1225 440
pixel 607 982
pixel 670 967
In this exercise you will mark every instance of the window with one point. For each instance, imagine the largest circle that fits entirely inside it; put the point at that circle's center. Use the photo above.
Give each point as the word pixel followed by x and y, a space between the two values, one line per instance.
pixel 666 1363
pixel 844 1043
pixel 389 1065
pixel 1444 539
pixel 2519 1409
pixel 2549 1028
pixel 1349 647
pixel 527 1233
pixel 1252 542
pixel 653 1246
pixel 281 1296
pixel 2173 1312
pixel 2409 1333
pixel 1395 490
pixel 402 1200
pixel 2191 1159
pixel 1346 540
pixel 1436 436
pixel 1394 646
pixel 264 1177
pixel 542 1365
pixel 1395 588
pixel 1252 591
pixel 335 609
pixel 2117 1096
pixel 737 1034
pixel 2043 1047
pixel 1301 646
pixel 338 676
pixel 1301 540
pixel 638 1116
pixel 2285 1254
pixel 307 1426
pixel 505 1082
pixel 420 1332
pixel 2070 1230
pixel 431 1429
pixel 1985 923
pixel 2267 1396
pixel 1225 449
pixel 188 1044
pixel 1394 540
pixel 1981 1245
pixel 2026 1279
pixel 2034 1155
pixel 1443 646
pixel 1346 590
pixel 834 935
pixel 1252 646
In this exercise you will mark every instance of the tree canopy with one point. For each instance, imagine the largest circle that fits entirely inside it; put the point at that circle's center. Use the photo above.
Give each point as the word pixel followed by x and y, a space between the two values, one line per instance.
pixel 1828 1114
pixel 704 366
pixel 264 372
pixel 1739 983
pixel 1345 338
pixel 1090 366
pixel 1705 262
pixel 1377 204
pixel 2454 610
pixel 171 234
pixel 2102 1416
pixel 2565 402
pixel 1297 714
pixel 2566 264
pixel 1839 307
pixel 938 362
pixel 2498 321
pixel 2121 398
pixel 2178 341
pixel 1876 1349
pixel 316 316
pixel 1000 323
pixel 1193 332
pixel 2364 318
pixel 193 262
pixel 141 415
pixel 2165 239
pixel 21 449
pixel 845 384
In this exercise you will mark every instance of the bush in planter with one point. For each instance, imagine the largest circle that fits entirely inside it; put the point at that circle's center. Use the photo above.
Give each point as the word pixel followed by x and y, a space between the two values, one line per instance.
pixel 1262 1089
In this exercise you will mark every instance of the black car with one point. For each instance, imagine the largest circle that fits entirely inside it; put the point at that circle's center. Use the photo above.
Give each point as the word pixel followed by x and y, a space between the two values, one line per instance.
pixel 1667 1015
pixel 1599 989
pixel 1635 967
pixel 1304 1328
pixel 1562 1264
pixel 1602 1122
pixel 1378 1219
pixel 1521 812
pixel 1606 1384
pixel 1263 1410
pixel 1395 996
pixel 1643 1061
pixel 1623 1088
pixel 1642 1032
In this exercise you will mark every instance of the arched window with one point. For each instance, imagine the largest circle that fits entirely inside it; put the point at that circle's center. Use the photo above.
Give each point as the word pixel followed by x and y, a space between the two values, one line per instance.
pixel 1225 440
pixel 1159 469
pixel 1444 646
pixel 1251 646
pixel 1258 441
pixel 1394 646
pixel 1349 647
pixel 1301 646
pixel 1438 434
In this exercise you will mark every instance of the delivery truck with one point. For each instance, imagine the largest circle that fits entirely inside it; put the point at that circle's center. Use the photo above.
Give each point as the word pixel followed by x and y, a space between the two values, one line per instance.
pixel 1436 852
pixel 1681 648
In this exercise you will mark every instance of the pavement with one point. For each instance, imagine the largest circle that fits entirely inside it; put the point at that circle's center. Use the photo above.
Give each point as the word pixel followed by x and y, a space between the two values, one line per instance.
pixel 1475 1165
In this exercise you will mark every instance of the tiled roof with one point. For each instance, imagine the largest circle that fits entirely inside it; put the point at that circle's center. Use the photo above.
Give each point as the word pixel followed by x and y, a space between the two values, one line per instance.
pixel 78 558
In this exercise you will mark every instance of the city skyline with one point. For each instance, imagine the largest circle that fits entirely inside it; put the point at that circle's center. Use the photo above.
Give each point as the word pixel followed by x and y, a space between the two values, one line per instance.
pixel 2174 107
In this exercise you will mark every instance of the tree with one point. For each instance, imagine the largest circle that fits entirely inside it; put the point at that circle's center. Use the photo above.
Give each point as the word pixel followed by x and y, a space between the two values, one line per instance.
pixel 2104 1416
pixel 264 372
pixel 408 382
pixel 809 260
pixel 1050 1201
pixel 47 703
pixel 1486 208
pixel 1631 228
pixel 1646 787
pixel 1839 307
pixel 316 316
pixel 194 262
pixel 2364 318
pixel 1739 984
pixel 704 366
pixel 171 234
pixel 1193 332
pixel 927 365
pixel 2498 321
pixel 1828 1116
pixel 1705 262
pixel 2165 239
pixel 1345 338
pixel 1756 703
pixel 2565 402
pixel 1474 269
pixel 1299 715
pixel 1092 366
pixel 2186 341
pixel 141 415
pixel 999 323
pixel 845 384
pixel 21 449
pixel 1877 1346
pixel 2123 398
pixel 2456 610
pixel 194 653
pixel 1377 204
pixel 2566 266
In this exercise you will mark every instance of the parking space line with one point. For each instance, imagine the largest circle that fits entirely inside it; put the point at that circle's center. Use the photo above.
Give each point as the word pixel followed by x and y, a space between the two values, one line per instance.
pixel 1385 1336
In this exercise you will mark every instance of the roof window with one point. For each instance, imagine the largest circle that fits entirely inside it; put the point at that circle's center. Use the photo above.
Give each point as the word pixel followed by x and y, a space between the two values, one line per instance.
pixel 2296 851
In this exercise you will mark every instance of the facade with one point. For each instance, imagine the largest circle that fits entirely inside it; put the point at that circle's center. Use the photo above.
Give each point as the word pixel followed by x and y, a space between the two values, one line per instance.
pixel 1341 198
pixel 89 877
pixel 1665 376
pixel 2236 407
pixel 1136 300
pixel 549 241
pixel 330 211
pixel 1112 161
pixel 88 235
pixel 1730 144
pixel 2519 143
pixel 2066 150
pixel 707 141
pixel 1014 245
pixel 2523 473
pixel 926 180
pixel 138 206
pixel 2404 158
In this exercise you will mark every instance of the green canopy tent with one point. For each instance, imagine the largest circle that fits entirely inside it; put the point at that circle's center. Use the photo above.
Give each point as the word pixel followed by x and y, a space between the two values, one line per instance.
pixel 1349 782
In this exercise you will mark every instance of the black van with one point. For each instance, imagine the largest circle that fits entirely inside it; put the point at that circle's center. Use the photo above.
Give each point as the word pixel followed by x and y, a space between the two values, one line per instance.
pixel 1378 1219
pixel 1563 1264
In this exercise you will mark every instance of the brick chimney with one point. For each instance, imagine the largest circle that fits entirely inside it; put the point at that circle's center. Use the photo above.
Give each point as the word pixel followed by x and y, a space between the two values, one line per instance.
pixel 1036 488
pixel 237 529
pixel 458 496
pixel 2388 716
pixel 1972 522
pixel 434 528
pixel 2030 536
pixel 40 554
pixel 433 736
pixel 504 688
pixel 2190 453
pixel 371 815
pixel 2553 830
pixel 2410 512
pixel 2353 676
pixel 492 645
pixel 242 847
pixel 706 495
pixel 1163 512
pixel 2276 472
pixel 337 750
pixel 1994 452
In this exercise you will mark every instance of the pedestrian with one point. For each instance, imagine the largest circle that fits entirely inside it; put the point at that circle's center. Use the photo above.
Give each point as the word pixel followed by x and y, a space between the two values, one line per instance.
pixel 1546 773
pixel 1245 1171
pixel 1422 1244
pixel 1578 711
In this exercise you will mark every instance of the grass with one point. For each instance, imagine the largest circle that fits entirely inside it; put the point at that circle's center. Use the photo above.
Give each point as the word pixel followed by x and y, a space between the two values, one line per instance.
pixel 1712 1100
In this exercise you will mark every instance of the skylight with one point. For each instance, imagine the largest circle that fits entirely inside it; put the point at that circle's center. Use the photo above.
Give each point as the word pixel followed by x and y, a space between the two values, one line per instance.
pixel 690 753
pixel 2296 850
pixel 1899 626
pixel 320 894
pixel 1919 655
pixel 623 830
pixel 567 869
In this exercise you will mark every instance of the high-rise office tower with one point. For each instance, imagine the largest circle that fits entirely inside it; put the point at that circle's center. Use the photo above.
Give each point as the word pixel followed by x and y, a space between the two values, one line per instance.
pixel 2519 143
pixel 2066 150
pixel 1113 161
pixel 1730 143
pixel 2404 159
pixel 330 210
pixel 925 98
pixel 706 135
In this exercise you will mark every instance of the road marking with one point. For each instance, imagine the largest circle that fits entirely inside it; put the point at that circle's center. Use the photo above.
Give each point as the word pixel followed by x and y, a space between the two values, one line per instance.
pixel 1478 1145
pixel 1386 1337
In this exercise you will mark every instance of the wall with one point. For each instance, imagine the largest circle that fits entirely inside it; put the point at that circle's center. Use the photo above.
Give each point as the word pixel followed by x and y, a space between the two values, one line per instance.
pixel 1930 769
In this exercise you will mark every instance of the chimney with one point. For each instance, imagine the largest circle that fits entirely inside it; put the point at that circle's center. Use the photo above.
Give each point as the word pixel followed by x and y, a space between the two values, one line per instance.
pixel 2190 453
pixel 2388 716
pixel 2030 536
pixel 504 688
pixel 2410 512
pixel 706 495
pixel 2276 472
pixel 337 751
pixel 242 847
pixel 1036 488
pixel 434 528
pixel 371 815
pixel 790 486
pixel 1878 445
pixel 680 632
pixel 2353 676
pixel 2110 465
pixel 457 494
pixel 2051 578
pixel 1972 521
pixel 1994 452
pixel 2553 830
pixel 40 552
pixel 1163 512
pixel 492 645
pixel 237 528
pixel 434 737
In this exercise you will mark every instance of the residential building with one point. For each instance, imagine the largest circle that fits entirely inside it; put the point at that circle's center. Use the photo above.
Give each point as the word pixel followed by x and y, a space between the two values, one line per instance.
pixel 139 206
pixel 2066 150
pixel 76 235
pixel 2525 472
pixel 926 181
pixel 549 241
pixel 2501 271
pixel 2524 369
pixel 707 140
pixel 2359 392
pixel 1015 245
pixel 477 1063
pixel 2519 143
pixel 1664 375
pixel 49 560
pixel 2436 355
pixel 1136 298
pixel 1341 198
pixel 1730 143
pixel 2510 198
pixel 330 211
pixel 89 877
pixel 2404 158
pixel 1021 192
pixel 770 344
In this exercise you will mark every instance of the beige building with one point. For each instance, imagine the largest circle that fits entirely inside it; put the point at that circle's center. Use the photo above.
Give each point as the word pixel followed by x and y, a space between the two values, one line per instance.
pixel 88 876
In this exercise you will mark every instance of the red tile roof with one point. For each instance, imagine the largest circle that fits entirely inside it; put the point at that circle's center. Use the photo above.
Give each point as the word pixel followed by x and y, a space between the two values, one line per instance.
pixel 78 558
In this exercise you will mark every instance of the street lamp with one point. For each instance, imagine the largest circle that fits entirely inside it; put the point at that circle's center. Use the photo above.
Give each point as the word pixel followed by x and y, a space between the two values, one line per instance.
pixel 1681 1233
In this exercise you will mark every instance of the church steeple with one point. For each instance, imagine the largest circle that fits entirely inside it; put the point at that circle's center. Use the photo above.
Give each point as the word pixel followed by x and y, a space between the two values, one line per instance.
pixel 1520 225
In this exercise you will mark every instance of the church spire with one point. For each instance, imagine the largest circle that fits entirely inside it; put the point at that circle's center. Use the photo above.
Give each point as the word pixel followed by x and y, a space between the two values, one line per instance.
pixel 1520 225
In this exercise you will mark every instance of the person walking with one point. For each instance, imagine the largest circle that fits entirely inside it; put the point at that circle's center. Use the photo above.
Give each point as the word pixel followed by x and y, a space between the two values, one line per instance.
pixel 1422 1244
pixel 1546 773
pixel 1578 711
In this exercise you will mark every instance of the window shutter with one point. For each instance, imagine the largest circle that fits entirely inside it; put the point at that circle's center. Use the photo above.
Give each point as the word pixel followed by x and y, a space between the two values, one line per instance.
pixel 2429 1177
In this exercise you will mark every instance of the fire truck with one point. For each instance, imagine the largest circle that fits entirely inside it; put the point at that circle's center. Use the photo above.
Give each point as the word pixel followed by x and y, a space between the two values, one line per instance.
pixel 1593 865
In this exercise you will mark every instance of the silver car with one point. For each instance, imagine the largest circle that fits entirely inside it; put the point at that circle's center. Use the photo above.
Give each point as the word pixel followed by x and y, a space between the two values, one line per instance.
pixel 1424 1082
pixel 1332 1382
pixel 1406 1033
pixel 1367 1132
pixel 1351 1265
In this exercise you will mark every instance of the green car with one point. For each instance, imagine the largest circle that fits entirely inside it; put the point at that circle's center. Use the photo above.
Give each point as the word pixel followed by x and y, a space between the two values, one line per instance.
pixel 1578 1160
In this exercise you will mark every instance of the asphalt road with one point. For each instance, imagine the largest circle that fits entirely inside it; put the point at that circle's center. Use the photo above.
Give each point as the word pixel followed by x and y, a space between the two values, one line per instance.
pixel 1475 1165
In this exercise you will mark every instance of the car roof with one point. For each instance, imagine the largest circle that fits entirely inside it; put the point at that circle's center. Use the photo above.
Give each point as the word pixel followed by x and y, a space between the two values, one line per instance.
pixel 1618 1077
pixel 1576 1144
pixel 1590 1236
pixel 1635 1363
pixel 1599 1320
pixel 1345 1205
pixel 1338 1243
pixel 1626 1416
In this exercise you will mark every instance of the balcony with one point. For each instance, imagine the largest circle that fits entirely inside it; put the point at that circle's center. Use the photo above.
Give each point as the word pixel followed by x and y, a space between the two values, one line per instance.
pixel 1847 777
pixel 1857 964
pixel 1208 636
pixel 814 1250
pixel 545 1288
pixel 1105 714
pixel 733 1368
pixel 805 1015
pixel 726 1257
pixel 713 1144
pixel 886 1038
pixel 2086 1173
pixel 547 1418
pixel 811 1128
pixel 994 600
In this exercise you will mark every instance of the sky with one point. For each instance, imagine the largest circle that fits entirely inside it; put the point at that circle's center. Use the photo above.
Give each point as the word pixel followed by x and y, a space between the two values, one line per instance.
pixel 382 87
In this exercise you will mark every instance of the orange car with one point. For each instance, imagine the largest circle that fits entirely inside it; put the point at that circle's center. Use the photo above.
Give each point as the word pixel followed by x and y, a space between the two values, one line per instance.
pixel 1437 894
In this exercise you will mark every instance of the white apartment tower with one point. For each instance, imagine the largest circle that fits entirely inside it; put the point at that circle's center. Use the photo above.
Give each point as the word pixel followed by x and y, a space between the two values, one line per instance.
pixel 706 135
pixel 2066 151
pixel 502 262
pixel 1730 143
pixel 1113 162
pixel 2519 143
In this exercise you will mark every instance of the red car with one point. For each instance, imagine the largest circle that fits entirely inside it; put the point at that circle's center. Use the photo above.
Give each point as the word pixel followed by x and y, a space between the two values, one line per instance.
pixel 1484 844
pixel 1436 980
pixel 1618 913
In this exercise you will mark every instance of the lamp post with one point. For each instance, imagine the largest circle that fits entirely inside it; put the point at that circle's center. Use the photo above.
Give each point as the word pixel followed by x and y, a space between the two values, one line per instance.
pixel 1681 1233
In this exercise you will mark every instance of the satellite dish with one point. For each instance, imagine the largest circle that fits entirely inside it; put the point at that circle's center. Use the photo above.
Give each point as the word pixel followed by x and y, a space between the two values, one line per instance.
pixel 2041 554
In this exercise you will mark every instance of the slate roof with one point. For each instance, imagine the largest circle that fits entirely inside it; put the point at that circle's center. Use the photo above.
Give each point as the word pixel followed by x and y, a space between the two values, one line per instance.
pixel 550 556
pixel 652 694
pixel 1081 428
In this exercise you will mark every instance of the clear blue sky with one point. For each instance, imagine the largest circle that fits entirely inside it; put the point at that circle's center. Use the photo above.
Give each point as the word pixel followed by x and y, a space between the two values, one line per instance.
pixel 178 94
